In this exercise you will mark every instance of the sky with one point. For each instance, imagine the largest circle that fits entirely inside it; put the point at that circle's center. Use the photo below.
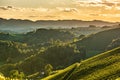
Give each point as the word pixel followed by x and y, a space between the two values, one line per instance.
pixel 107 10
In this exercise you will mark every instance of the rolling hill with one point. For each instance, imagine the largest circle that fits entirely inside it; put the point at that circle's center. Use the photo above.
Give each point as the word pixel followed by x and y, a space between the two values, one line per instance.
pixel 44 36
pixel 96 43
pixel 39 36
pixel 12 52
pixel 104 66
pixel 29 54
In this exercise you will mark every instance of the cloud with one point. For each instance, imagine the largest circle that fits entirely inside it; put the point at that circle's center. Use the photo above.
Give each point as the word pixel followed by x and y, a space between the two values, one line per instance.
pixel 23 9
pixel 110 15
pixel 94 14
pixel 44 16
pixel 80 9
pixel 9 7
pixel 70 10
pixel 117 8
pixel 3 8
pixel 6 7
pixel 28 13
pixel 67 9
pixel 33 16
pixel 107 4
pixel 41 9
pixel 97 3
pixel 98 6
pixel 50 16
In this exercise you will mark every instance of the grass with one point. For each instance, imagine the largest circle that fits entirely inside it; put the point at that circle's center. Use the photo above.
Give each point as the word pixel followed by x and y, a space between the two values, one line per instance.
pixel 92 53
pixel 104 66
pixel 59 75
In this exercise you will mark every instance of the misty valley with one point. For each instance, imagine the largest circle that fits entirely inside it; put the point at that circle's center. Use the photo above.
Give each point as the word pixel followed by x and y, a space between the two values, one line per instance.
pixel 59 50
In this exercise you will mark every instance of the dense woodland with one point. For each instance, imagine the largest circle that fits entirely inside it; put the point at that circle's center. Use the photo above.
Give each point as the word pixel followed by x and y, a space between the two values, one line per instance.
pixel 46 52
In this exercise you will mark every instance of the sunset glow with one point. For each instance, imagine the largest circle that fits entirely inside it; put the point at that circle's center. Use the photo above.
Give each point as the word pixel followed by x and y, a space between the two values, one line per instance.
pixel 107 10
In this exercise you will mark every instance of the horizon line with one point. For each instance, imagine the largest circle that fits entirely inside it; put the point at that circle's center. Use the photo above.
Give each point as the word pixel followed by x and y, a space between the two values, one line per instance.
pixel 59 20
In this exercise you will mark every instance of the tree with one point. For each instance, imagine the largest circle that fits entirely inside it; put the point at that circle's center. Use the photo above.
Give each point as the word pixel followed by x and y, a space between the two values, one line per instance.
pixel 21 75
pixel 9 60
pixel 81 36
pixel 14 74
pixel 48 69
pixel 17 75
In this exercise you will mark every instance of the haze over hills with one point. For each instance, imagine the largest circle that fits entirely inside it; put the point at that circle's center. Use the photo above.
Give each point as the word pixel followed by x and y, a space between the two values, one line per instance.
pixel 18 25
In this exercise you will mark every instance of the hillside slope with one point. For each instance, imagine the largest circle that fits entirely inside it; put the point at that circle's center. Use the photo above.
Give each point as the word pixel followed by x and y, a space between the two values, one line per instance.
pixel 98 42
pixel 39 36
pixel 101 67
pixel 44 36
pixel 115 43
pixel 11 52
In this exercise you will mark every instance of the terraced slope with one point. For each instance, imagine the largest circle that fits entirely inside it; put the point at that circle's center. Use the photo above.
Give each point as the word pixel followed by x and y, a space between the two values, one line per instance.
pixel 105 66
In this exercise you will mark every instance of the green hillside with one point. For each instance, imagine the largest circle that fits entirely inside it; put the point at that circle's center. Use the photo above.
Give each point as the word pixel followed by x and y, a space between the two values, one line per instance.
pixel 12 52
pixel 39 36
pixel 22 58
pixel 44 52
pixel 97 43
pixel 104 66
pixel 53 55
pixel 9 49
pixel 44 36
pixel 115 43
pixel 11 37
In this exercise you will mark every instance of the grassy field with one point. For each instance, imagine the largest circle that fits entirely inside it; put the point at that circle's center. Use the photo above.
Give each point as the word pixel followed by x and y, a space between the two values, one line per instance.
pixel 104 66
pixel 59 75
pixel 92 53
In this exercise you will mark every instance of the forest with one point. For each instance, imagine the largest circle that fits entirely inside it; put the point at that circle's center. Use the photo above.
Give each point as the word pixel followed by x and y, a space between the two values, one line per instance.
pixel 60 54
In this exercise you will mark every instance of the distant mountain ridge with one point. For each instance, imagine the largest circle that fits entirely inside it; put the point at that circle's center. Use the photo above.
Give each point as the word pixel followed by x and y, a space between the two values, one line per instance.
pixel 27 25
